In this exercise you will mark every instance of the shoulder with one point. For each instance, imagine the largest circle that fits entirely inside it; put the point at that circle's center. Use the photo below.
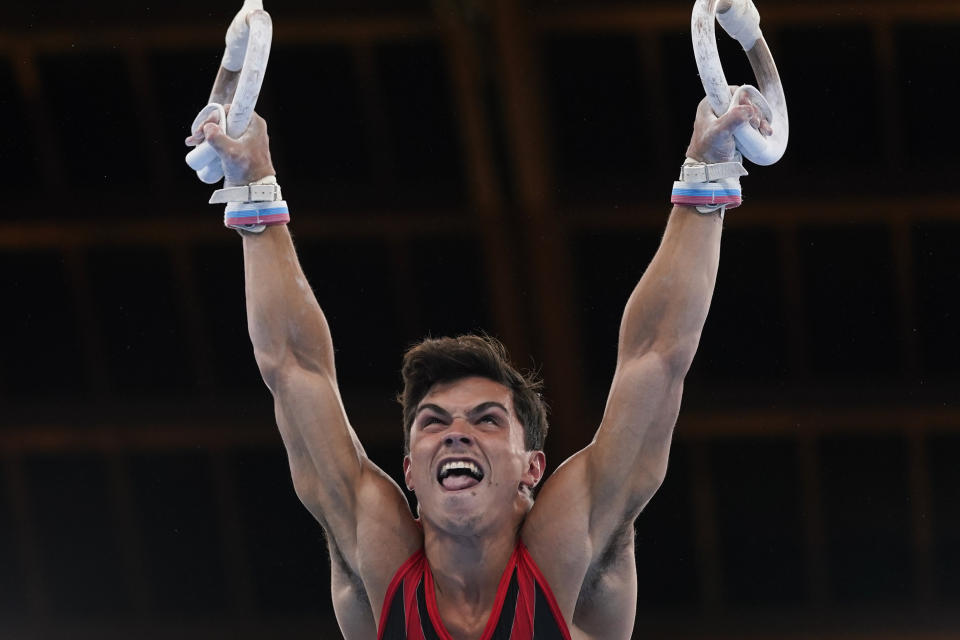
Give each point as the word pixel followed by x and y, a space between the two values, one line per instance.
pixel 359 600
pixel 592 578
pixel 556 532
pixel 604 603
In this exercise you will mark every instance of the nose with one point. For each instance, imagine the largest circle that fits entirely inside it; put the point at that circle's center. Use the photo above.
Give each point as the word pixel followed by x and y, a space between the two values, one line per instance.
pixel 453 439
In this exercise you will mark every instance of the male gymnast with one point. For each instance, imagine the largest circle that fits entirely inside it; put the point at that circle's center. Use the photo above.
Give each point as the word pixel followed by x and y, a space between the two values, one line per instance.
pixel 483 560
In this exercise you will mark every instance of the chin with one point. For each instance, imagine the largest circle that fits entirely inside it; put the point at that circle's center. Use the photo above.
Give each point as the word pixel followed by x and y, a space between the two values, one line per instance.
pixel 461 513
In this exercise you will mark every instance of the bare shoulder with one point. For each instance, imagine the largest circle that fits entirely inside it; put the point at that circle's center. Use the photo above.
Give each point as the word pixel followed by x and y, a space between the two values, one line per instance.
pixel 387 533
pixel 596 588
pixel 556 531
pixel 361 568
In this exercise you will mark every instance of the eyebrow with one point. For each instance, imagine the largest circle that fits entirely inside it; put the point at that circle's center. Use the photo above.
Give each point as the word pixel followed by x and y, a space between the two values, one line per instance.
pixel 484 406
pixel 432 407
pixel 480 408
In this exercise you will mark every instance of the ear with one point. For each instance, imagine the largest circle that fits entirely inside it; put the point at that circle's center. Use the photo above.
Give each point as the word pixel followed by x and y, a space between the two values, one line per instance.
pixel 536 463
pixel 407 475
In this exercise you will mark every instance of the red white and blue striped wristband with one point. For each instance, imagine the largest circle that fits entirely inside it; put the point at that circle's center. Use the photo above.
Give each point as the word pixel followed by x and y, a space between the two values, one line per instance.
pixel 723 193
pixel 248 215
pixel 709 187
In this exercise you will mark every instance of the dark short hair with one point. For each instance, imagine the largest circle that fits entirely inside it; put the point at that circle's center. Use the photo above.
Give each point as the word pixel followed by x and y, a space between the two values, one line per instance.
pixel 436 360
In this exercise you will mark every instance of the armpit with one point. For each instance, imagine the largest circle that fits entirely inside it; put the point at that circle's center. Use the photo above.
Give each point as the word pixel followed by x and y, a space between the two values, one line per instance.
pixel 351 603
pixel 341 575
pixel 608 596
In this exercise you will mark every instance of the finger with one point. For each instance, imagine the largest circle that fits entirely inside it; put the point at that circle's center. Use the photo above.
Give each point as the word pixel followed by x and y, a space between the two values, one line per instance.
pixel 755 116
pixel 743 100
pixel 758 121
pixel 219 140
pixel 212 118
pixel 198 136
pixel 734 118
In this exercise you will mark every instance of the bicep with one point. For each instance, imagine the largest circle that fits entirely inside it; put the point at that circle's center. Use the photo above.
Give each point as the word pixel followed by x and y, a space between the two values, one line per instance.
pixel 325 455
pixel 628 456
pixel 358 504
pixel 602 488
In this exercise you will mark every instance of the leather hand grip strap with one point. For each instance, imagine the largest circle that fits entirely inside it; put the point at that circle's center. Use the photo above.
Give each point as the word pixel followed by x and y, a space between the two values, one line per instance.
pixel 700 172
pixel 249 193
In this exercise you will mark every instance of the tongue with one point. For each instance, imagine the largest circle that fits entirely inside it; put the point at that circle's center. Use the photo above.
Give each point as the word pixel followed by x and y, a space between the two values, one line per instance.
pixel 458 482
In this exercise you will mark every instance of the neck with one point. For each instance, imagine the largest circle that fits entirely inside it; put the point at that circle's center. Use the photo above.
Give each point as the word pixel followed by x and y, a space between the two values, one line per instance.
pixel 467 568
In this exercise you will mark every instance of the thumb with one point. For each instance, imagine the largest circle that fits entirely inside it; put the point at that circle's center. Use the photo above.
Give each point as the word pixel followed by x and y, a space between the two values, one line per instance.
pixel 735 117
pixel 220 141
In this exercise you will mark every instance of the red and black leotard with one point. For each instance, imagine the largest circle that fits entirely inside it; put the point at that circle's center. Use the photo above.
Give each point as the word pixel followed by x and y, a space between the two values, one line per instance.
pixel 524 609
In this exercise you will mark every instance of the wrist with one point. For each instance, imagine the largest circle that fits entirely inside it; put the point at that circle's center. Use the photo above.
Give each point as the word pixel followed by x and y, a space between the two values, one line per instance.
pixel 262 175
pixel 709 156
pixel 709 187
pixel 254 206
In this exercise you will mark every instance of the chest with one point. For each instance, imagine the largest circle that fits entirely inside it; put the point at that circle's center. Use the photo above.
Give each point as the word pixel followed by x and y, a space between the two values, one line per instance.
pixel 523 608
pixel 461 624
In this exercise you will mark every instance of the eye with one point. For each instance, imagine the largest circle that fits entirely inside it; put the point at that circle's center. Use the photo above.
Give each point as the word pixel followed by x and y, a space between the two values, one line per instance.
pixel 429 420
pixel 490 419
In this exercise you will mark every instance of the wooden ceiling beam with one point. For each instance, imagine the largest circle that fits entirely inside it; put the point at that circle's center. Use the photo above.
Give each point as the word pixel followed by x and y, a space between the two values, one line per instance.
pixel 176 433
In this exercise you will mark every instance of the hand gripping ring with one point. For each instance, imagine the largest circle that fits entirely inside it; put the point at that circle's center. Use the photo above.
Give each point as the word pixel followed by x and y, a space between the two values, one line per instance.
pixel 248 48
pixel 741 21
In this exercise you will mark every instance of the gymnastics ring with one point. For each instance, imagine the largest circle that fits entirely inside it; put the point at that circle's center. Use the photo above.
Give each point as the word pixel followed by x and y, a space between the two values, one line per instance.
pixel 741 20
pixel 238 83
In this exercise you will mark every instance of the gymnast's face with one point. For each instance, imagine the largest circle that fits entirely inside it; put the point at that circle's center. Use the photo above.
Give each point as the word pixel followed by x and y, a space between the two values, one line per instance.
pixel 467 462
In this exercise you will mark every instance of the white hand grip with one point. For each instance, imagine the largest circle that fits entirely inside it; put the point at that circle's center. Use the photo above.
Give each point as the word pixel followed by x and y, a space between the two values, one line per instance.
pixel 201 155
pixel 212 173
pixel 741 19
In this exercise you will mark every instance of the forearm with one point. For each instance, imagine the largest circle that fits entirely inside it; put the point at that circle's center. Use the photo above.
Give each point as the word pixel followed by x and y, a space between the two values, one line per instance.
pixel 286 324
pixel 667 309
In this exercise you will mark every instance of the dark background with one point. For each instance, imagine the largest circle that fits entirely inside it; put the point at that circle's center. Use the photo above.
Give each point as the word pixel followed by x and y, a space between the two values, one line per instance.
pixel 461 165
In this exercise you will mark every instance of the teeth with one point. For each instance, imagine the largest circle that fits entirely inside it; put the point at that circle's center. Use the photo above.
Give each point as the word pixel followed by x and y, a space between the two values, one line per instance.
pixel 460 464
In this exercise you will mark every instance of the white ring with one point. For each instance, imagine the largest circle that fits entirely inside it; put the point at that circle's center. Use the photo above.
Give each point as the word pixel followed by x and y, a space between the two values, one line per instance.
pixel 742 21
pixel 257 38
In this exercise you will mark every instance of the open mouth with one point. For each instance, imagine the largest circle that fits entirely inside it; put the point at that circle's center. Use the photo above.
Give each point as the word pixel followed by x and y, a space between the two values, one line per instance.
pixel 456 475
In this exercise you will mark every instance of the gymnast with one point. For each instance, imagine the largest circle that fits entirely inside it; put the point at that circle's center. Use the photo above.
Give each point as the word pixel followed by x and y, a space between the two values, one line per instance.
pixel 487 555
pixel 482 559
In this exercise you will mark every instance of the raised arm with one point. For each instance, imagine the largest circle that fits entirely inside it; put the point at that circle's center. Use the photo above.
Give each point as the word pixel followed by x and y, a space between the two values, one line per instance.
pixel 659 335
pixel 599 492
pixel 353 499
